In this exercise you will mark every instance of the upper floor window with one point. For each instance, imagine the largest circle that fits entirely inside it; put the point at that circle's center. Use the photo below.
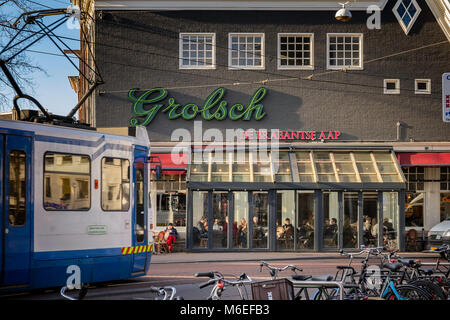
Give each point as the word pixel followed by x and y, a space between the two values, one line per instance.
pixel 246 50
pixel 391 86
pixel 345 50
pixel 423 86
pixel 197 51
pixel 295 51
pixel 66 182
pixel 406 12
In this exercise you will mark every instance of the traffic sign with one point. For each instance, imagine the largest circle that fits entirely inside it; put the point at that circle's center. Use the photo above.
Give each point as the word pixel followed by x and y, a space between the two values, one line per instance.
pixel 446 97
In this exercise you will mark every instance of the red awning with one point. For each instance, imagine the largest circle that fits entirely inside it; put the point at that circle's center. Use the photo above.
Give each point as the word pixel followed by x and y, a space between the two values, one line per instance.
pixel 435 159
pixel 170 163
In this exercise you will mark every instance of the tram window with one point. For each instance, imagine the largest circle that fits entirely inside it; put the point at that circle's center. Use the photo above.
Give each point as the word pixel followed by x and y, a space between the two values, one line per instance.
pixel 115 184
pixel 17 188
pixel 67 180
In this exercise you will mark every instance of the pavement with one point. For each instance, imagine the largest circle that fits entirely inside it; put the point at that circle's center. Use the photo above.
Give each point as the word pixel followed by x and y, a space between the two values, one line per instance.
pixel 196 257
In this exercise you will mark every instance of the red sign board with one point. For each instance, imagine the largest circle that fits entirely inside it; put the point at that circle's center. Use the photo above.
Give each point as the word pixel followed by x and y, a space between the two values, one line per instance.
pixel 289 135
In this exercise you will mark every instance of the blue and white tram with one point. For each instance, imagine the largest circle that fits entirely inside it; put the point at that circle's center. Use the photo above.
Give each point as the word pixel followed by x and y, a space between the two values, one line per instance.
pixel 74 206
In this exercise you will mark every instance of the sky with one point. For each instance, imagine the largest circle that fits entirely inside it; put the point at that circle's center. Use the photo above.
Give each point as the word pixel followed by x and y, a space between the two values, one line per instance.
pixel 53 89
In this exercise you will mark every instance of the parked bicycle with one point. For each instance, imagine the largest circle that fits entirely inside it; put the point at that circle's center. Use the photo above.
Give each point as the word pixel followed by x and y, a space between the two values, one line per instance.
pixel 167 293
pixel 219 283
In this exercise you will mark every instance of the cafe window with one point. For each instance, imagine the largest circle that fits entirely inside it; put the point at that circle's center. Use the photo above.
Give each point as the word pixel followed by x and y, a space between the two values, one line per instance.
pixel 295 51
pixel 415 177
pixel 67 180
pixel 197 51
pixel 281 166
pixel 445 178
pixel 246 51
pixel 414 206
pixel 115 184
pixel 171 208
pixel 312 166
pixel 345 51
pixel 240 166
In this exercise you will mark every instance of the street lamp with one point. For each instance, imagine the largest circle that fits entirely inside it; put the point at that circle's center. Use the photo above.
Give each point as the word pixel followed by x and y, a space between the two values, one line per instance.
pixel 343 14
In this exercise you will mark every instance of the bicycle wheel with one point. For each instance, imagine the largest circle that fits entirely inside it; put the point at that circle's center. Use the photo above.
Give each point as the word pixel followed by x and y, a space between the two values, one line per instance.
pixel 433 289
pixel 408 292
pixel 323 294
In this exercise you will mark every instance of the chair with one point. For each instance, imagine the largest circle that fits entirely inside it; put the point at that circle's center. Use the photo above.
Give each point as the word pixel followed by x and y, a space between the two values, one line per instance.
pixel 203 242
pixel 411 239
pixel 161 243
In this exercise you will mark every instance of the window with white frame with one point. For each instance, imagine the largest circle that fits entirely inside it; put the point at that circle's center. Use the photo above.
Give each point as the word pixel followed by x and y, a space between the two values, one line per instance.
pixel 295 51
pixel 406 12
pixel 246 50
pixel 391 86
pixel 423 86
pixel 197 51
pixel 345 51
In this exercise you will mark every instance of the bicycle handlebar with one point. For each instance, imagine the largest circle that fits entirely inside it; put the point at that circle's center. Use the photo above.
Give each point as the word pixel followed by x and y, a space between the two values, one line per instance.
pixel 205 274
pixel 267 265
pixel 210 282
pixel 216 277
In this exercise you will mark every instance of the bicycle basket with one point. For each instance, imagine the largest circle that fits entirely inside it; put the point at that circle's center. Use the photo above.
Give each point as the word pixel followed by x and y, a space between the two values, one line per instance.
pixel 280 289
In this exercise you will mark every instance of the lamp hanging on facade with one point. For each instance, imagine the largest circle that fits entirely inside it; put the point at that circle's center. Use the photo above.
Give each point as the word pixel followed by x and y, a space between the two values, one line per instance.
pixel 343 14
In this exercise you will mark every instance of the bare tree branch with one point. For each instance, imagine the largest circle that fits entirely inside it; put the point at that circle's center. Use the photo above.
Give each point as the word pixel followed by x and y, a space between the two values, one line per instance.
pixel 21 67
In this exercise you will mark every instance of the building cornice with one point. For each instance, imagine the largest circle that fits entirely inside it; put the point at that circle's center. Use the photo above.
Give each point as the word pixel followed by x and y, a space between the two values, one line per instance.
pixel 233 5
pixel 441 11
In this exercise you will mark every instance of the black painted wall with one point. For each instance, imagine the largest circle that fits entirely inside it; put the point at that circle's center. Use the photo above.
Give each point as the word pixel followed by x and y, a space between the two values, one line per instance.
pixel 136 49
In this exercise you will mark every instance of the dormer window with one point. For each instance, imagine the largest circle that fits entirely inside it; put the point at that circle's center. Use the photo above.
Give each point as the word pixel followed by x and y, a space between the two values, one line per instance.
pixel 407 12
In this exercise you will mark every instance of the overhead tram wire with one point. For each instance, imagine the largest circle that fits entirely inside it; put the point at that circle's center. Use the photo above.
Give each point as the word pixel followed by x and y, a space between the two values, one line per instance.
pixel 346 70
pixel 291 78
pixel 40 4
pixel 226 84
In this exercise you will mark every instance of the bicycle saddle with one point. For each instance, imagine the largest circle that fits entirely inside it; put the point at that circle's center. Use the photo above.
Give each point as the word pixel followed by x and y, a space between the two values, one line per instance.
pixel 300 277
pixel 428 271
pixel 407 262
pixel 325 277
pixel 394 267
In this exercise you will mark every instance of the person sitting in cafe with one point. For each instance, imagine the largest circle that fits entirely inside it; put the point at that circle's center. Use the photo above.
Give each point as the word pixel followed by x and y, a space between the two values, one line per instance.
pixel 242 233
pixel 171 235
pixel 258 232
pixel 280 230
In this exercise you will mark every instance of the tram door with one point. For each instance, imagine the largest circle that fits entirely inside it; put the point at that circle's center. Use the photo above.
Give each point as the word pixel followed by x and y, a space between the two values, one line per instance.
pixel 140 212
pixel 15 200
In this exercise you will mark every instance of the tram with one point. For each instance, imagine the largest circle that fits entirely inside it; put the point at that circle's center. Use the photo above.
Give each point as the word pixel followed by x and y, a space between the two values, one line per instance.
pixel 73 204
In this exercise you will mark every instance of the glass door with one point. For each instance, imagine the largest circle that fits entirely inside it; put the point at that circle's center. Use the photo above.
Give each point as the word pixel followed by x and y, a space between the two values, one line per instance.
pixel 260 219
pixel 370 219
pixel 16 201
pixel 350 227
pixel 220 220
pixel 331 220
pixel 140 213
pixel 285 219
pixel 200 219
pixel 390 220
pixel 241 219
pixel 305 219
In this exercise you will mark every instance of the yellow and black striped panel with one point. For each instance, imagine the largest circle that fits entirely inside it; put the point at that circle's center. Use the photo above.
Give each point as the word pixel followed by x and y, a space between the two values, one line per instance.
pixel 138 249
